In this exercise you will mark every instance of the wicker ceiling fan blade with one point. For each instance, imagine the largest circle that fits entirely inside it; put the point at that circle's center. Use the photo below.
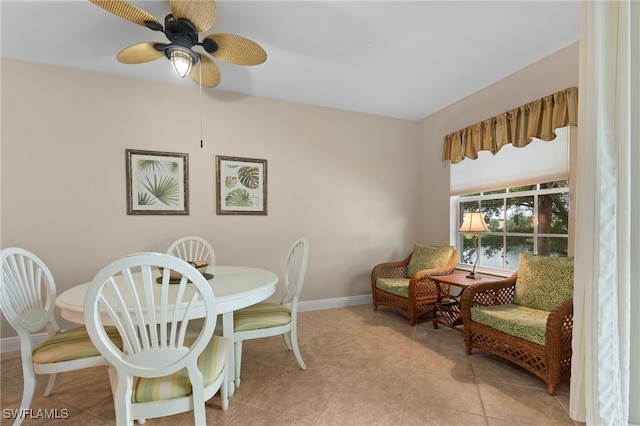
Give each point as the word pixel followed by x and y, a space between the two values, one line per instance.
pixel 237 50
pixel 208 69
pixel 202 13
pixel 129 12
pixel 140 53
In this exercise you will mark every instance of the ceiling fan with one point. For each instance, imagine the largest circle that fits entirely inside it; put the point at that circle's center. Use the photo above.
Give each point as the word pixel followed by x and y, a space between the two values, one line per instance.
pixel 182 26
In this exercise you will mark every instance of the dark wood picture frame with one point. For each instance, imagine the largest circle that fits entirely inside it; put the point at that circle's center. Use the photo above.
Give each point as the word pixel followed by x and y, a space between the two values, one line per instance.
pixel 157 182
pixel 241 187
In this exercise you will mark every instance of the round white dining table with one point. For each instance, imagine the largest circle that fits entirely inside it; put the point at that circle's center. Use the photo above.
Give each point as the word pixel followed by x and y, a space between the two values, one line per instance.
pixel 235 287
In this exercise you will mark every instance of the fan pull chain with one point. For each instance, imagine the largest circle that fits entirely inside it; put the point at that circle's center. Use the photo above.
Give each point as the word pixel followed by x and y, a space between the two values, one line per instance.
pixel 200 70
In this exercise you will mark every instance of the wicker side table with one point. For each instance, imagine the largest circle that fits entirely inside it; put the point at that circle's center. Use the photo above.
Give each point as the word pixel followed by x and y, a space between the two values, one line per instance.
pixel 449 306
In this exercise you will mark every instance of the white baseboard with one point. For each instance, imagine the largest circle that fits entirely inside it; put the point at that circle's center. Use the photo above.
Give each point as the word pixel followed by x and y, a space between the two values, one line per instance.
pixel 11 344
pixel 339 302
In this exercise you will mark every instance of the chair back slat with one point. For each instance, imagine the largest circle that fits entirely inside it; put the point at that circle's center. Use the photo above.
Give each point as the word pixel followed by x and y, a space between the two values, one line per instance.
pixel 295 270
pixel 112 302
pixel 27 291
pixel 151 311
pixel 193 249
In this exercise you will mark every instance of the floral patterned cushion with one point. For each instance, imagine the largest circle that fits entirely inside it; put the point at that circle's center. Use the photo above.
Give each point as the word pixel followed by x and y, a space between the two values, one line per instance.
pixel 397 286
pixel 543 281
pixel 428 257
pixel 525 323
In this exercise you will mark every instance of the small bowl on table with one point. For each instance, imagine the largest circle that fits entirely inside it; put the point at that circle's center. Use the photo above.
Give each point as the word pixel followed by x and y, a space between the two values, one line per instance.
pixel 200 265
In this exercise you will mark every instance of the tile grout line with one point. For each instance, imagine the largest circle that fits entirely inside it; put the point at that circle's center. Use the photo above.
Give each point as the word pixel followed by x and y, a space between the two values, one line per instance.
pixel 475 381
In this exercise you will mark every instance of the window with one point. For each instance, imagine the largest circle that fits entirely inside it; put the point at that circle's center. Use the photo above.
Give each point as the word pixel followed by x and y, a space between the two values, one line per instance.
pixel 531 219
pixel 523 194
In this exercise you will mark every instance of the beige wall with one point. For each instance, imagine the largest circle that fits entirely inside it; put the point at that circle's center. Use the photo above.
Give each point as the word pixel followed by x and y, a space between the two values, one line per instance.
pixel 347 181
pixel 362 188
pixel 551 74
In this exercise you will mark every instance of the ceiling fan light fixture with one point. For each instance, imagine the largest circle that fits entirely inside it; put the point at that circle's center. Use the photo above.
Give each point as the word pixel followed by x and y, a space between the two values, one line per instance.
pixel 182 59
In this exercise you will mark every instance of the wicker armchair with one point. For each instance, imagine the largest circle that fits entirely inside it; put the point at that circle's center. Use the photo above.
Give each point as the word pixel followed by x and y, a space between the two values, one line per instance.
pixel 497 320
pixel 406 287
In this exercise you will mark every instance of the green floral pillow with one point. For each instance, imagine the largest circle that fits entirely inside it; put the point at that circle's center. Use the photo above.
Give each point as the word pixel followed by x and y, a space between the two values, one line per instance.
pixel 428 257
pixel 543 281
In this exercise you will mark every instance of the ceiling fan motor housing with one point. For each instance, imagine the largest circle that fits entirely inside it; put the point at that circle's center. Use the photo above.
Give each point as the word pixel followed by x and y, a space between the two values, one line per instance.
pixel 180 31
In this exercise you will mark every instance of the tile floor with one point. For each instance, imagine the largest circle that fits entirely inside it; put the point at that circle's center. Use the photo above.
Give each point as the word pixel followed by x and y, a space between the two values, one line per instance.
pixel 363 368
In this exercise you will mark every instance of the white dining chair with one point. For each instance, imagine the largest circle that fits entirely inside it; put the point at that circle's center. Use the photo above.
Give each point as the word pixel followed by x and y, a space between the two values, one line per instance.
pixel 163 368
pixel 27 297
pixel 193 249
pixel 267 319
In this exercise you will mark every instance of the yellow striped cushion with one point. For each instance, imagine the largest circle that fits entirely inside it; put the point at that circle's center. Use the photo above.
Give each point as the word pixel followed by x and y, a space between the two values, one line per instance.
pixel 210 362
pixel 69 345
pixel 261 315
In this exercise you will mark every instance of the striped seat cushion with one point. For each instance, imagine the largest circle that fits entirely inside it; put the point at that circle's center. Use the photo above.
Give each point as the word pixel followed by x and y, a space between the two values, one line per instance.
pixel 69 345
pixel 261 315
pixel 210 362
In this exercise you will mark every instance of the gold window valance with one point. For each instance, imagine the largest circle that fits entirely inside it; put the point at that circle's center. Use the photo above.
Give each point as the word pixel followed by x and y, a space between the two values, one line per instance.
pixel 537 119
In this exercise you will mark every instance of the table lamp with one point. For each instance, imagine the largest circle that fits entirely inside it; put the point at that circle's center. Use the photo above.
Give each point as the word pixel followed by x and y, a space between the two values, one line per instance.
pixel 474 222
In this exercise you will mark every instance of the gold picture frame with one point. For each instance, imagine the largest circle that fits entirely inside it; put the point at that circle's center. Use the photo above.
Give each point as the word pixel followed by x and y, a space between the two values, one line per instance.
pixel 241 186
pixel 157 183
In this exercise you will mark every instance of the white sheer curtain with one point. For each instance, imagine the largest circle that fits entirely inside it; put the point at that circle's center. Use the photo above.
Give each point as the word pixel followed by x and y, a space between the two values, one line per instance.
pixel 607 197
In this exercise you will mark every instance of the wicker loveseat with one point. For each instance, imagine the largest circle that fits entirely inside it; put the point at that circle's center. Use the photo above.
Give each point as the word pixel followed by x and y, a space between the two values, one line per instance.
pixel 526 318
pixel 406 285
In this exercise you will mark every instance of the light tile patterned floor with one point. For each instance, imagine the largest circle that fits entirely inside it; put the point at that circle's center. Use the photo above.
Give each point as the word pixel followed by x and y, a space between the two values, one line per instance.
pixel 364 368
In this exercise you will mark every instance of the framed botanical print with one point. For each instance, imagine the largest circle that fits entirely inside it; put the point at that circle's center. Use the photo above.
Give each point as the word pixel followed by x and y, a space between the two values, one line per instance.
pixel 157 183
pixel 241 186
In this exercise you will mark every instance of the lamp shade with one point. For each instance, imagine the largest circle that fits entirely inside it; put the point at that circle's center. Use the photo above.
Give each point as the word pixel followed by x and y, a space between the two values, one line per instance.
pixel 473 222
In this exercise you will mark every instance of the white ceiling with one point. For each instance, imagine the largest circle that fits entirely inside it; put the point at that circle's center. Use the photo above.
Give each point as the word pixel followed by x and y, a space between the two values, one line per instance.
pixel 391 58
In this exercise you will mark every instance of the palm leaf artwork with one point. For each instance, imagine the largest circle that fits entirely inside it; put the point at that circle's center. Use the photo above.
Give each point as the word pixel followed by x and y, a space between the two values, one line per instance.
pixel 144 199
pixel 149 165
pixel 249 177
pixel 173 166
pixel 166 189
pixel 230 181
pixel 239 198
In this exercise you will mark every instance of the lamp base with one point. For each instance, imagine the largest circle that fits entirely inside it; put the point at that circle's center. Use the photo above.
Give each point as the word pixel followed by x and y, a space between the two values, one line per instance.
pixel 474 276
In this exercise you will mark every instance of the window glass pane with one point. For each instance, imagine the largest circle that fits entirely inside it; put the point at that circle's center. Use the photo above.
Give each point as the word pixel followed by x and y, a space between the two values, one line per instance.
pixel 520 214
pixel 468 252
pixel 498 191
pixel 557 184
pixel 470 195
pixel 553 246
pixel 467 206
pixel 523 188
pixel 492 249
pixel 553 213
pixel 493 212
pixel 515 246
